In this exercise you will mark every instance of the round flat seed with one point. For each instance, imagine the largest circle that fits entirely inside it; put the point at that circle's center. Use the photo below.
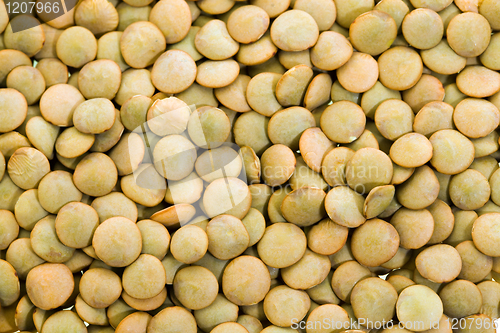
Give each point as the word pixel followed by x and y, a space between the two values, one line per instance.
pixel 485 235
pixel 331 51
pixel 420 190
pixel 60 321
pixel 373 32
pixel 461 298
pixel 95 175
pixel 318 91
pixel 227 237
pixel 144 278
pixel 278 164
pixel 442 59
pixel 326 237
pixel 187 44
pixel 304 206
pixel 374 288
pixel 314 145
pixel 343 121
pixel 229 328
pixel 411 150
pixel 141 44
pixel 9 227
pixel 294 30
pixel 14 109
pixel 173 72
pixel 273 8
pixel 97 16
pixel 476 118
pixel 475 265
pixel 393 118
pixel 214 41
pixel 433 117
pixel 10 289
pixel 219 311
pixel 227 196
pixel 247 24
pixel 367 169
pixel 439 263
pixel 175 26
pixel 233 95
pixel 252 270
pixel 100 79
pixel 218 163
pixel 174 317
pixel 29 37
pixel 345 277
pixel 94 116
pixel 423 22
pixel 286 126
pixel 195 287
pixel 377 200
pixel 400 174
pixel 305 177
pixel 453 152
pixel 347 11
pixel 124 237
pixel 399 60
pixel 324 12
pixel 166 116
pixel 49 285
pixel 135 82
pixel 444 221
pixel 73 143
pixel 291 88
pixel 427 89
pixel 189 244
pixel 100 287
pixel 75 224
pixel 489 57
pixel 298 275
pixel 148 189
pixel 174 157
pixel 382 240
pixel 261 95
pixel 57 189
pixel 208 127
pixel 359 73
pixel 55 72
pixel 27 166
pixel 283 305
pixel 209 73
pixel 412 223
pixel 460 39
pixel 469 190
pixel 372 98
pixel 76 46
pixel 58 104
pixel 27 80
pixel 187 190
pixel 274 247
pixel 345 206
pixel 419 303
pixel 89 314
pixel 333 165
pixel 478 81
pixel 137 322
